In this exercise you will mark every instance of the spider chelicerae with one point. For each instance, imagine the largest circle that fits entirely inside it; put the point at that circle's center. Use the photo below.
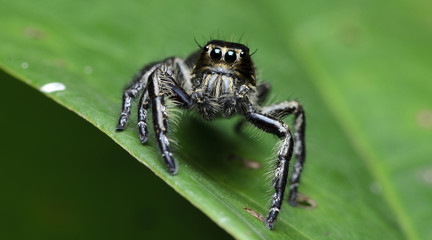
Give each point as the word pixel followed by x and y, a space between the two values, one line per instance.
pixel 218 80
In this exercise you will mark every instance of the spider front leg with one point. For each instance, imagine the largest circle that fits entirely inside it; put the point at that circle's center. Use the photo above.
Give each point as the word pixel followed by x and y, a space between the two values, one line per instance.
pixel 262 93
pixel 162 83
pixel 155 81
pixel 181 97
pixel 283 109
pixel 139 82
pixel 280 129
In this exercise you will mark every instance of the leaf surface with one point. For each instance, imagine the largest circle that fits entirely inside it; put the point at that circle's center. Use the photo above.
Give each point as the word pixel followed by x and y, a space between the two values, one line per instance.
pixel 361 75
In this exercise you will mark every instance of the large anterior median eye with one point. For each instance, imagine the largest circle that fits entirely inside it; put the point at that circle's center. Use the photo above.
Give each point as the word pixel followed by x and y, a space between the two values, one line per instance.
pixel 216 54
pixel 230 56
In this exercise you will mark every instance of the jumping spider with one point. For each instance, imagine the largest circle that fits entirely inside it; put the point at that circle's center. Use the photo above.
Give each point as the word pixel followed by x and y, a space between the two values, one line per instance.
pixel 218 80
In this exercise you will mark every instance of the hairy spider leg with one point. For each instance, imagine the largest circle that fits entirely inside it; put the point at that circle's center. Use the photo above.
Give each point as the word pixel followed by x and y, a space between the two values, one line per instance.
pixel 181 85
pixel 283 109
pixel 236 101
pixel 280 129
pixel 139 81
pixel 185 73
pixel 262 91
pixel 163 83
pixel 142 116
pixel 160 118
pixel 154 80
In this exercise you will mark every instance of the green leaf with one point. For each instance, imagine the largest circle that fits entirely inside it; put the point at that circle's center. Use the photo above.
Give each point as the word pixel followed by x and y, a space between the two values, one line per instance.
pixel 361 70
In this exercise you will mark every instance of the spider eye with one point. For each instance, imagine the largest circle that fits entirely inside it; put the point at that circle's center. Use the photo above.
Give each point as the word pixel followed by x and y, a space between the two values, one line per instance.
pixel 216 54
pixel 206 48
pixel 230 56
pixel 242 54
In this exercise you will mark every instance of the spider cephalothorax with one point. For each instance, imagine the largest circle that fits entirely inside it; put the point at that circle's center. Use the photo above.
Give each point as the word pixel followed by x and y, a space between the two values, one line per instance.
pixel 218 79
pixel 223 74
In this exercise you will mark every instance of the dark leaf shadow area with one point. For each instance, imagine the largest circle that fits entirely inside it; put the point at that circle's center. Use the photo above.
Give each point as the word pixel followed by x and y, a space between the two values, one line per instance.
pixel 73 182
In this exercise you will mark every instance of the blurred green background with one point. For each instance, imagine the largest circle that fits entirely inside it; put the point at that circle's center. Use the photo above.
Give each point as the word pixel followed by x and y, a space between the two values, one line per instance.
pixel 362 69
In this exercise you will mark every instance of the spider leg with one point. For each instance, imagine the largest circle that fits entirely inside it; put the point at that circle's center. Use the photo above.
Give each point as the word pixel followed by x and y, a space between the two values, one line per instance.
pixel 262 93
pixel 155 81
pixel 139 82
pixel 162 83
pixel 280 129
pixel 185 72
pixel 283 109
pixel 142 116
pixel 181 85
pixel 160 120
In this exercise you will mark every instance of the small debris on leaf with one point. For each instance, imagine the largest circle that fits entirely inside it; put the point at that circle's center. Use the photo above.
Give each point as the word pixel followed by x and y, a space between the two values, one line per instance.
pixel 306 202
pixel 245 162
pixel 33 33
pixel 256 214
pixel 424 118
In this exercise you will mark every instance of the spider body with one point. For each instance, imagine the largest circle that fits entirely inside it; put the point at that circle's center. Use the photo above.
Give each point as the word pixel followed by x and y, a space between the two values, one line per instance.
pixel 223 73
pixel 218 80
